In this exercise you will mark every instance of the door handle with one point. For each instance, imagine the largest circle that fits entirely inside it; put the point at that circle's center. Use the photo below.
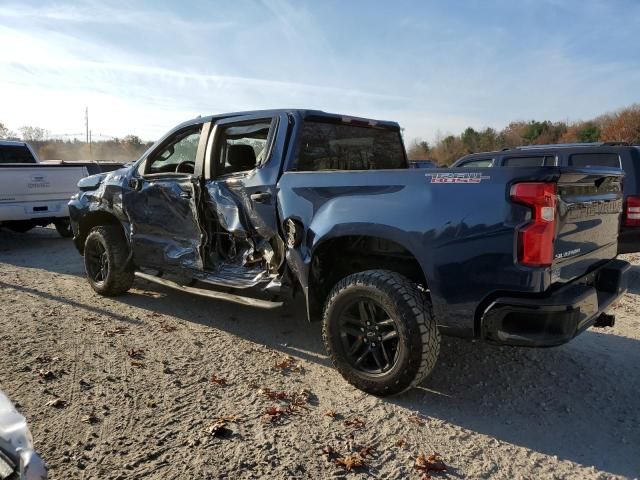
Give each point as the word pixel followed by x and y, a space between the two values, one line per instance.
pixel 185 195
pixel 260 197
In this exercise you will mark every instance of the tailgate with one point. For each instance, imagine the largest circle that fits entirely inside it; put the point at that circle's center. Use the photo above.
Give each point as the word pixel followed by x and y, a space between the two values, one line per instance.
pixel 38 182
pixel 589 209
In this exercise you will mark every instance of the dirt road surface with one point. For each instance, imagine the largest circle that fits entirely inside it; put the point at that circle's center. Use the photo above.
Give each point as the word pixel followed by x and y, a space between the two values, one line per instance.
pixel 133 378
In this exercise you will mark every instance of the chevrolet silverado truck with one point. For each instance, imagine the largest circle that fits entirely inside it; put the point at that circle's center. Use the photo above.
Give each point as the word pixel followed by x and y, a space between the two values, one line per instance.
pixel 36 193
pixel 256 207
pixel 590 155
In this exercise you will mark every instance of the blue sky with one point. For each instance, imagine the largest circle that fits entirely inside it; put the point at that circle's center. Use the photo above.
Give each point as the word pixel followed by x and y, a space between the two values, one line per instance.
pixel 434 66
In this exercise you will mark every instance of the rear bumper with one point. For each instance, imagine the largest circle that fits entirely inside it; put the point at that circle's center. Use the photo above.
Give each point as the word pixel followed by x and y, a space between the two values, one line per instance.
pixel 557 318
pixel 33 210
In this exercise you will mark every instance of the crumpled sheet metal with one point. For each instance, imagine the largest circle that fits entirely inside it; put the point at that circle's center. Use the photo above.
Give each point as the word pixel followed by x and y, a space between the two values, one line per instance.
pixel 170 231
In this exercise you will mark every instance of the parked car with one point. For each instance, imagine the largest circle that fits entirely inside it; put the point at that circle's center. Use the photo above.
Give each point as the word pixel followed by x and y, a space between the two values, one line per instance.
pixel 18 459
pixel 386 256
pixel 35 193
pixel 602 154
pixel 422 164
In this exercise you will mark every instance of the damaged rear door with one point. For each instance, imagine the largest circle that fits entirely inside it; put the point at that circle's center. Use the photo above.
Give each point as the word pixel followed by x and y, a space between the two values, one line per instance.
pixel 242 168
pixel 162 203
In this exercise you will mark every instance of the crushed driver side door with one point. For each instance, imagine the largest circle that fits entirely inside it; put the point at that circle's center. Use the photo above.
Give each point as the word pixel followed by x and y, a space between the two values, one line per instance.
pixel 163 200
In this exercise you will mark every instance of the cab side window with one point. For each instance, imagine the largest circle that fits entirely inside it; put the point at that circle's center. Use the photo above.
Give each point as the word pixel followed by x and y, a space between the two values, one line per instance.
pixel 479 163
pixel 595 160
pixel 241 148
pixel 530 161
pixel 179 156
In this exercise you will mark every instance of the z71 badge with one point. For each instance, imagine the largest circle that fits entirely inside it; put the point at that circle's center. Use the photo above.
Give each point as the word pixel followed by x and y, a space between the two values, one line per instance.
pixel 466 177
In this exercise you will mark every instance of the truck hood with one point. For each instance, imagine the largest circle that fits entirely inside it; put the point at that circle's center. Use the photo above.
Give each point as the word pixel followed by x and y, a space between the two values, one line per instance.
pixel 92 181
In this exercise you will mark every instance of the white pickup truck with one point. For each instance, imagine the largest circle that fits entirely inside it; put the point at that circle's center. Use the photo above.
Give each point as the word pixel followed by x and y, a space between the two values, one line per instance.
pixel 35 193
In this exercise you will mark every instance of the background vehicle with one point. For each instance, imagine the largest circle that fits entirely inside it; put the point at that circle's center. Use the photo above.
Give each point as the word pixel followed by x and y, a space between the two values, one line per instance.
pixel 18 460
pixel 603 154
pixel 276 202
pixel 35 193
pixel 422 164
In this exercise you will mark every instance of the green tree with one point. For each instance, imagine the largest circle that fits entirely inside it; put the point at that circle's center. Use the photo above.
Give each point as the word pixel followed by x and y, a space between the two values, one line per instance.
pixel 590 132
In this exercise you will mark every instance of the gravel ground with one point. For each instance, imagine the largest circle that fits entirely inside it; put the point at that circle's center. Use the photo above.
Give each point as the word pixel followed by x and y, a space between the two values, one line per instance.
pixel 133 376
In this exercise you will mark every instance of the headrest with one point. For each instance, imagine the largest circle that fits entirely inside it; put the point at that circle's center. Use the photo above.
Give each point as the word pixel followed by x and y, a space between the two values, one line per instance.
pixel 241 157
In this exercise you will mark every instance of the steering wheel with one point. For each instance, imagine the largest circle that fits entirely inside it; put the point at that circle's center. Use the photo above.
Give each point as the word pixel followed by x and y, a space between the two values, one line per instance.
pixel 180 168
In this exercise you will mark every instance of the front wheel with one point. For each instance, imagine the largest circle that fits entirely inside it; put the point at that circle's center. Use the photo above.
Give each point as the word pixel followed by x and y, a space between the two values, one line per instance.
pixel 106 261
pixel 379 331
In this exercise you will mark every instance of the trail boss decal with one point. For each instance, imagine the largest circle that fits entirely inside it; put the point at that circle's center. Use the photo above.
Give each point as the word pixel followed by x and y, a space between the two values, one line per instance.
pixel 466 177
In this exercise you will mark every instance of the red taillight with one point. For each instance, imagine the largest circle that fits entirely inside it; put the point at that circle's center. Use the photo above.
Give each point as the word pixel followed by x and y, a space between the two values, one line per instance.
pixel 632 212
pixel 535 240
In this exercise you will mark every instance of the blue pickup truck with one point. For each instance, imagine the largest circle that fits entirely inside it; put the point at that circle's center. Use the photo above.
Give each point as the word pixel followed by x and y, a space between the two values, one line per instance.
pixel 256 207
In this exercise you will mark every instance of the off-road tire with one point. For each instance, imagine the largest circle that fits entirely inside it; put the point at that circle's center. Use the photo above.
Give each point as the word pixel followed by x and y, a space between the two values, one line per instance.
pixel 409 307
pixel 63 227
pixel 120 276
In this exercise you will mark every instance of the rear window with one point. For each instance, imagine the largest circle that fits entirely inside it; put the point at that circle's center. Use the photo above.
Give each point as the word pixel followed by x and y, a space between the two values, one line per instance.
pixel 337 146
pixel 530 161
pixel 15 154
pixel 595 160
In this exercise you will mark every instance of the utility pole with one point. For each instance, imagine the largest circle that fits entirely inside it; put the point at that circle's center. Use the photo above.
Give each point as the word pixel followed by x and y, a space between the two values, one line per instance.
pixel 86 123
pixel 90 142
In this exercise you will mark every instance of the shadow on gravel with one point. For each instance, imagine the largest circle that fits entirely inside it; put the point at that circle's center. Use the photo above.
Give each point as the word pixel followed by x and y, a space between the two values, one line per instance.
pixel 78 305
pixel 282 329
pixel 578 402
pixel 40 248
pixel 634 280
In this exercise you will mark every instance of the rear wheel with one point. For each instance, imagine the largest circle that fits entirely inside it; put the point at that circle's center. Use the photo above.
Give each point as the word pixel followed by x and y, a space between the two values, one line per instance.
pixel 106 261
pixel 379 331
pixel 63 227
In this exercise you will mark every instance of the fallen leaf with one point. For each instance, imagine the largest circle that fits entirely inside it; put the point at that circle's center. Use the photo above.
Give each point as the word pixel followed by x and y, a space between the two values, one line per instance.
pixel 432 462
pixel 137 364
pixel 218 380
pixel 136 354
pixel 219 429
pixel 273 395
pixel 166 327
pixel 57 403
pixel 330 413
pixel 401 443
pixel 356 423
pixel 350 462
pixel 46 374
pixel 273 414
pixel 417 419
pixel 286 364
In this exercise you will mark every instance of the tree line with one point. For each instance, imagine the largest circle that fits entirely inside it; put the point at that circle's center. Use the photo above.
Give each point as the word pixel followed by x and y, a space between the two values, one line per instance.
pixel 123 149
pixel 621 126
